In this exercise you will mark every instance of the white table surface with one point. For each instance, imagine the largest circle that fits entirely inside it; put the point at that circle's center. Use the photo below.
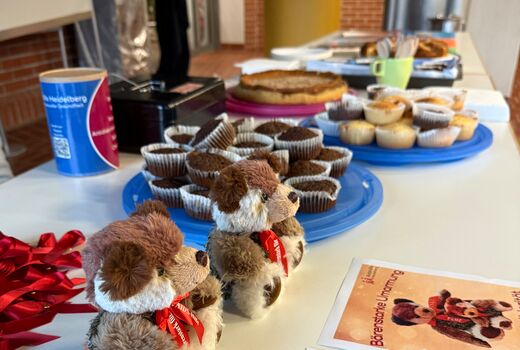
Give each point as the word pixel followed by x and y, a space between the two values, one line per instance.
pixel 462 217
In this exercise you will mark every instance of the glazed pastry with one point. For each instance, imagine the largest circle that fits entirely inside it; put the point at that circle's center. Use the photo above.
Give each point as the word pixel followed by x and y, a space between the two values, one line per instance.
pixel 467 121
pixel 357 132
pixel 382 112
pixel 395 136
pixel 399 98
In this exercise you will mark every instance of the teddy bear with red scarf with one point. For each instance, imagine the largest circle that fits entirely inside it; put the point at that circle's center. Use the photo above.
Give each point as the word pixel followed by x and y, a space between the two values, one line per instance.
pixel 152 292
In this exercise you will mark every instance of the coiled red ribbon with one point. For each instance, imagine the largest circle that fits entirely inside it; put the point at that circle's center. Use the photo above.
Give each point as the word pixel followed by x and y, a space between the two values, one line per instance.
pixel 34 286
pixel 172 320
pixel 274 248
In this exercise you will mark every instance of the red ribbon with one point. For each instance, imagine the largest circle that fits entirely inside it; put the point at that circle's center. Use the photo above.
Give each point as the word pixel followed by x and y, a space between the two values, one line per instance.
pixel 34 286
pixel 274 248
pixel 173 318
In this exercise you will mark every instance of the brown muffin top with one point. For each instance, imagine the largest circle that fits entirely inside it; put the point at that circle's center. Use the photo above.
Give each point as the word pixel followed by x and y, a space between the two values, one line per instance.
pixel 304 167
pixel 207 161
pixel 328 155
pixel 316 185
pixel 181 138
pixel 170 183
pixel 297 133
pixel 167 150
pixel 384 104
pixel 271 128
pixel 250 144
pixel 205 130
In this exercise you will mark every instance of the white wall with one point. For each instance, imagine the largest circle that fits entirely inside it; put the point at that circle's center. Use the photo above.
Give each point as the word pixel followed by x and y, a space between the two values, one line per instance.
pixel 495 29
pixel 231 14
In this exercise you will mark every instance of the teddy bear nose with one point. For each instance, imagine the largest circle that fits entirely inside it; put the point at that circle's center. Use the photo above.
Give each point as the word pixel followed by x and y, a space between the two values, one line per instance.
pixel 202 258
pixel 293 197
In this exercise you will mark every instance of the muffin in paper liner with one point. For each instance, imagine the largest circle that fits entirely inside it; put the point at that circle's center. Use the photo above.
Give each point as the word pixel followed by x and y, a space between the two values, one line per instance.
pixel 435 99
pixel 467 121
pixel 244 125
pixel 357 132
pixel 380 112
pixel 196 205
pixel 287 121
pixel 457 95
pixel 329 127
pixel 437 138
pixel 167 164
pixel 170 196
pixel 429 116
pixel 375 90
pixel 349 108
pixel 315 201
pixel 148 176
pixel 251 137
pixel 395 136
pixel 283 156
pixel 340 165
pixel 325 165
pixel 301 149
pixel 180 130
pixel 217 133
pixel 205 178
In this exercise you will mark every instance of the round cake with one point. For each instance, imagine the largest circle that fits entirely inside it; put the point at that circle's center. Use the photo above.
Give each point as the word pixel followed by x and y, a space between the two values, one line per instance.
pixel 290 87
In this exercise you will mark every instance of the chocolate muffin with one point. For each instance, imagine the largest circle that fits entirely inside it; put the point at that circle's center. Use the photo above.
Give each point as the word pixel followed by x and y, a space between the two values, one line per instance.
pixel 428 116
pixel 180 134
pixel 338 157
pixel 308 167
pixel 183 139
pixel 302 143
pixel 244 125
pixel 216 133
pixel 247 143
pixel 277 160
pixel 203 166
pixel 196 202
pixel 317 193
pixel 167 191
pixel 165 160
pixel 272 128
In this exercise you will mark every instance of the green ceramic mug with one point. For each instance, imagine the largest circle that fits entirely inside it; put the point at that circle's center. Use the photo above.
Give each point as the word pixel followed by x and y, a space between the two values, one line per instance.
pixel 393 71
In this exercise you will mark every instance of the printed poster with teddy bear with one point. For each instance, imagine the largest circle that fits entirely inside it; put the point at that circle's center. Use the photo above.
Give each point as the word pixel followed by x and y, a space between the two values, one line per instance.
pixel 388 306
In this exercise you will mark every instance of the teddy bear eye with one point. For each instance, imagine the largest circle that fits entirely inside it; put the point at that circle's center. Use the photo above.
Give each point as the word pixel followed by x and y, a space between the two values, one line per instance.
pixel 264 197
pixel 160 271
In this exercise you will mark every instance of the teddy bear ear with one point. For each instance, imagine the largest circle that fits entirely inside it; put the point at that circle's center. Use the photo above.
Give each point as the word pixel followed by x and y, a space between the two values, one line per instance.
pixel 228 189
pixel 402 322
pixel 273 161
pixel 125 270
pixel 401 300
pixel 149 207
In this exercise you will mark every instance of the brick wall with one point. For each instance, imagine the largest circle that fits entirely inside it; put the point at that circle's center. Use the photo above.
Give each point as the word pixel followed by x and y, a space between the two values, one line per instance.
pixel 514 101
pixel 362 14
pixel 254 24
pixel 21 60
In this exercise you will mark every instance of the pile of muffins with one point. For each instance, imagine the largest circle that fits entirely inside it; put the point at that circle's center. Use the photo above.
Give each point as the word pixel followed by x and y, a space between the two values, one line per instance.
pixel 181 171
pixel 400 119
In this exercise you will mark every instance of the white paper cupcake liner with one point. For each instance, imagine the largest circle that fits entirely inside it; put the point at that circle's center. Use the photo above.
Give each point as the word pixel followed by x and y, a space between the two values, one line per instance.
pixel 350 108
pixel 247 126
pixel 169 196
pixel 314 201
pixel 395 140
pixel 251 137
pixel 466 130
pixel 379 116
pixel 329 127
pixel 339 166
pixel 356 136
pixel 430 116
pixel 179 130
pixel 165 165
pixel 148 176
pixel 438 138
pixel 288 121
pixel 196 206
pixel 302 149
pixel 205 178
pixel 221 137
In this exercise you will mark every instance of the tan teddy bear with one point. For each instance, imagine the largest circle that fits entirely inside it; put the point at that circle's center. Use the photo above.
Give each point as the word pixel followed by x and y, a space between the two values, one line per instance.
pixel 250 259
pixel 139 274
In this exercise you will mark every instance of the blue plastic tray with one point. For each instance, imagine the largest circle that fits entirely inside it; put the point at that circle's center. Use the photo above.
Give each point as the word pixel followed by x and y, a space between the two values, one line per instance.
pixel 481 140
pixel 360 198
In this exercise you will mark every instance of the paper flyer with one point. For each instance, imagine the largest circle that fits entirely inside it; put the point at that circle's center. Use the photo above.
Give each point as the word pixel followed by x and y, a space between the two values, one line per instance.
pixel 388 306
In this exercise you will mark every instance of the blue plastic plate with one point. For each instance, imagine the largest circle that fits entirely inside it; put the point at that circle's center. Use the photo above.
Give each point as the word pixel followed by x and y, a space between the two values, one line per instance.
pixel 360 197
pixel 481 140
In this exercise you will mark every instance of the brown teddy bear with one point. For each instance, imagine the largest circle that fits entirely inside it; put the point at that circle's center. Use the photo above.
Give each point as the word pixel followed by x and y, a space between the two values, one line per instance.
pixel 248 204
pixel 152 292
pixel 472 321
